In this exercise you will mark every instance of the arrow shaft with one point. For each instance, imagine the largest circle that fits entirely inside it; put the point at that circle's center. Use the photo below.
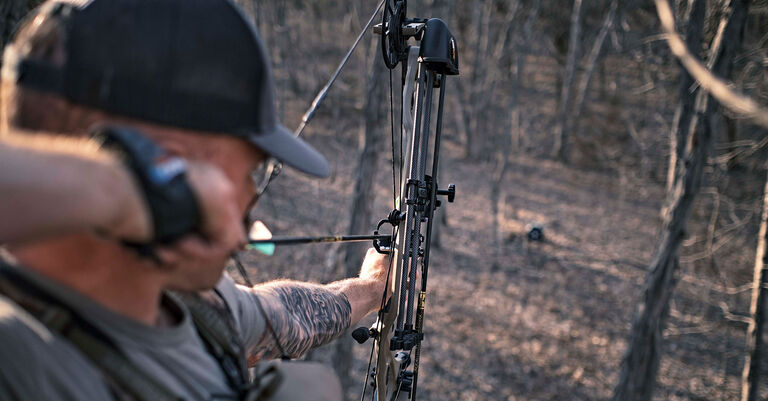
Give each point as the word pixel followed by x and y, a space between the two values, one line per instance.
pixel 321 239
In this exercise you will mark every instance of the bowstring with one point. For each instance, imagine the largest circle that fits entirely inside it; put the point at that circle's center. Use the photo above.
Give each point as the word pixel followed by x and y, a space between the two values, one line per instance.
pixel 307 117
pixel 392 123
pixel 395 195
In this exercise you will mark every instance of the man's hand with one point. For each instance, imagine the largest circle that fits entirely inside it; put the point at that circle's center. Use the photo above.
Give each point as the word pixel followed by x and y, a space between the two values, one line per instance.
pixel 374 270
pixel 221 219
pixel 221 224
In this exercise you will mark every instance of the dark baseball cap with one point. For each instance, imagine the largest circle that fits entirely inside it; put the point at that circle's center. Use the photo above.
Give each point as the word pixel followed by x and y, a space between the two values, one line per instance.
pixel 195 64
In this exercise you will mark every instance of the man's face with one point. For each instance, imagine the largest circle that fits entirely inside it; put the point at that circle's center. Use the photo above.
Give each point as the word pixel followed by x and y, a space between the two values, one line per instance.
pixel 237 159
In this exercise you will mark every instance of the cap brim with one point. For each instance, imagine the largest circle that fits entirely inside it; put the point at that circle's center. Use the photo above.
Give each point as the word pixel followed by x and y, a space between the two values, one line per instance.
pixel 293 151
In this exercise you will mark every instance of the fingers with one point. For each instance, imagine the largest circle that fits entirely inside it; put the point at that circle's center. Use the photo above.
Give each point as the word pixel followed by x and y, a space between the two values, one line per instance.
pixel 220 217
pixel 221 231
pixel 375 264
pixel 374 268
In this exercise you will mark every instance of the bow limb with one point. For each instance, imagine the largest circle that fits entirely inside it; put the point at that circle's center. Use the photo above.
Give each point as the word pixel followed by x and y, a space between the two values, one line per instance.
pixel 387 369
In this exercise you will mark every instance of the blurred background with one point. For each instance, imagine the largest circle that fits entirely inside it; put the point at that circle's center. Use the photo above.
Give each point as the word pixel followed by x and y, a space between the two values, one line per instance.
pixel 567 115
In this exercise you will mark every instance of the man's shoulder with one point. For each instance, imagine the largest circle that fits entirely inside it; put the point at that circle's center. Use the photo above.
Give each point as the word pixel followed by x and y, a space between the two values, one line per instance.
pixel 241 302
pixel 235 298
pixel 35 363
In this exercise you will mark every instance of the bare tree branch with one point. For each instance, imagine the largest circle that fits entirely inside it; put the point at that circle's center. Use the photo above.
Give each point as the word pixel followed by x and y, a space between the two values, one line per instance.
pixel 736 102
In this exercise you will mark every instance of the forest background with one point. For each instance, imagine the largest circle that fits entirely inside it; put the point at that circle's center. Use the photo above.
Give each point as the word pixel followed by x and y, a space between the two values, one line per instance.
pixel 568 114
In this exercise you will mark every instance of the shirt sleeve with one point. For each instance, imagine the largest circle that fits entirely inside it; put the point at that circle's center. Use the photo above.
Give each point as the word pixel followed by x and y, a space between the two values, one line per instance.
pixel 248 318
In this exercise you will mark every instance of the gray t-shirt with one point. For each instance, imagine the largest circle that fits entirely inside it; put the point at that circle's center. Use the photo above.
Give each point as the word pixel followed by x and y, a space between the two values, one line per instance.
pixel 36 364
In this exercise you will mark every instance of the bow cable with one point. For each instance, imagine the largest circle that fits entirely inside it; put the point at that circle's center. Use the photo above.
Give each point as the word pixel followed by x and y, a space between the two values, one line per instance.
pixel 323 92
pixel 396 196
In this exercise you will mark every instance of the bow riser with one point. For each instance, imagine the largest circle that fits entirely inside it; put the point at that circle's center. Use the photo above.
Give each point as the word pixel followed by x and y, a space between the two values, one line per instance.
pixel 386 362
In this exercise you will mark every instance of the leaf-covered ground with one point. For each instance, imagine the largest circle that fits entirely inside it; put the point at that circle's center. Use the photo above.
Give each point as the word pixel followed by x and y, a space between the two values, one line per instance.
pixel 549 320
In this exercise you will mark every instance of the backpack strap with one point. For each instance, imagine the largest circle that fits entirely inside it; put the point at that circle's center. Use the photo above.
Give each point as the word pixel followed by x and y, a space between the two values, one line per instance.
pixel 216 326
pixel 122 375
pixel 215 323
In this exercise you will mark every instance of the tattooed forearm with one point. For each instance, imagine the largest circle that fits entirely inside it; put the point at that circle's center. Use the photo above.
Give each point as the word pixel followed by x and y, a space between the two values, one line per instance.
pixel 303 316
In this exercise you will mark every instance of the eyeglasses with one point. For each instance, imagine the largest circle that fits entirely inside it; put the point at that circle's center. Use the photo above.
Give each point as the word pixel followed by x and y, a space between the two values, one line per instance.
pixel 267 172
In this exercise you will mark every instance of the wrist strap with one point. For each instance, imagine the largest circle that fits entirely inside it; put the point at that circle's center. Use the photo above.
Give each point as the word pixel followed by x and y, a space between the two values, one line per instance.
pixel 171 201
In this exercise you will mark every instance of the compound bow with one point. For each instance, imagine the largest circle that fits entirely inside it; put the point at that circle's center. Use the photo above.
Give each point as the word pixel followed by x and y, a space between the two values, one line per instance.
pixel 427 53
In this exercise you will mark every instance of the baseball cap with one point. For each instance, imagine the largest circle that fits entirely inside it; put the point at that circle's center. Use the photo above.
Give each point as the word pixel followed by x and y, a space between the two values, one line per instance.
pixel 195 64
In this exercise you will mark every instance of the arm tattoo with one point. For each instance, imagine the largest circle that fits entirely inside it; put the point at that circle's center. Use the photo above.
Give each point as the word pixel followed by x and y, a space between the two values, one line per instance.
pixel 303 315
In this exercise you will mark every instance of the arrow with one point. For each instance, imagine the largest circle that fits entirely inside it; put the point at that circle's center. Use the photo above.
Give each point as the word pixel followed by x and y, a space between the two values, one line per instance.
pixel 252 244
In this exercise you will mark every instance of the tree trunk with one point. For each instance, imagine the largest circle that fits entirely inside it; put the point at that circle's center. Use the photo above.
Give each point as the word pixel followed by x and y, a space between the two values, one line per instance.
pixel 522 50
pixel 502 165
pixel 560 149
pixel 687 90
pixel 465 115
pixel 360 218
pixel 594 56
pixel 750 378
pixel 641 361
pixel 481 24
pixel 504 143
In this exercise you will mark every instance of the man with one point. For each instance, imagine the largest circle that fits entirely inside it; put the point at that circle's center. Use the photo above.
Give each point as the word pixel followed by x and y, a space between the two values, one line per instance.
pixel 90 318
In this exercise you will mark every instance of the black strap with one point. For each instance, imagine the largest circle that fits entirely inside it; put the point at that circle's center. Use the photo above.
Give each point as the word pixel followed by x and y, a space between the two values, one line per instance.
pixel 215 325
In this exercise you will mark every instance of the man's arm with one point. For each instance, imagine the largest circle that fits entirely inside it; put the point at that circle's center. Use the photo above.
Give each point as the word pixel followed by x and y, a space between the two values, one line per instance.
pixel 306 315
pixel 51 185
pixel 55 185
